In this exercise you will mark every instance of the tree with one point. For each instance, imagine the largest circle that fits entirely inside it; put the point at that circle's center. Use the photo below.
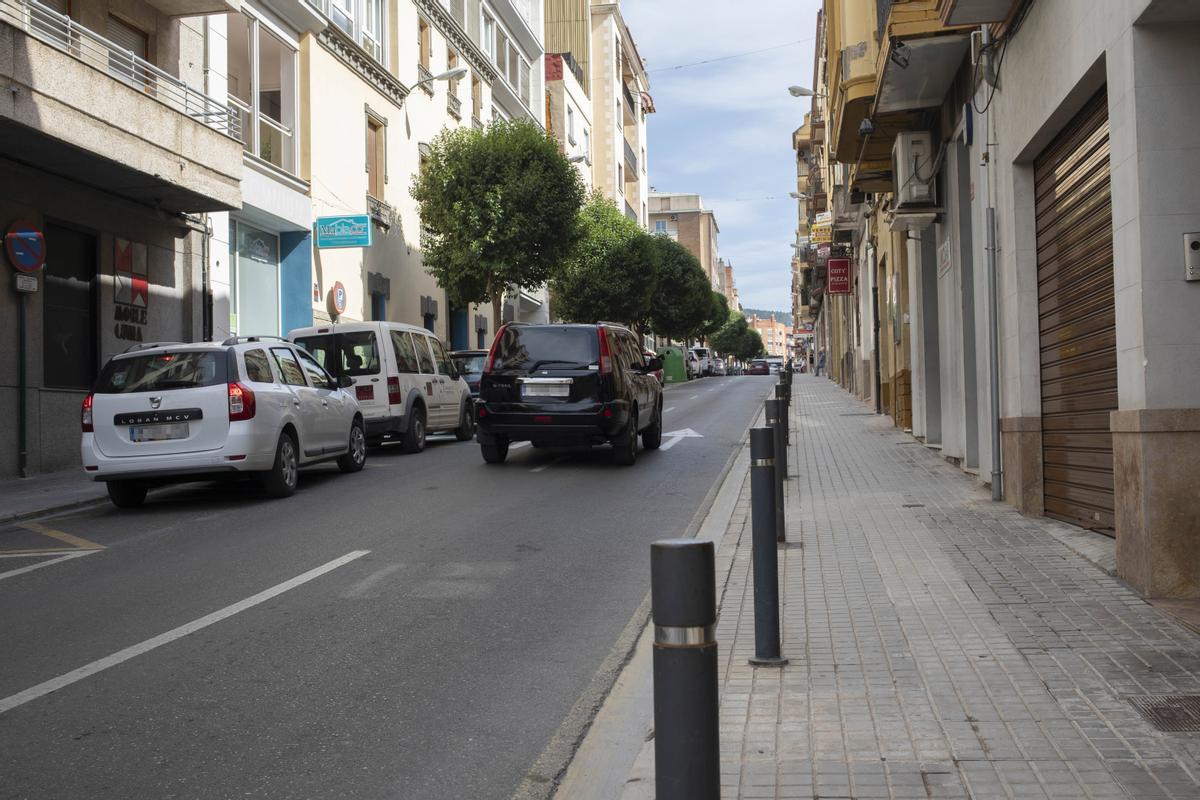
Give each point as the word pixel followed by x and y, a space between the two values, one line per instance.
pixel 729 340
pixel 716 315
pixel 752 345
pixel 680 304
pixel 612 271
pixel 498 209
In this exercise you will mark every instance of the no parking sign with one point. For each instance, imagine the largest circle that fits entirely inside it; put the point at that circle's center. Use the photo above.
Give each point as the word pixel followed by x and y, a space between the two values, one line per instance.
pixel 26 246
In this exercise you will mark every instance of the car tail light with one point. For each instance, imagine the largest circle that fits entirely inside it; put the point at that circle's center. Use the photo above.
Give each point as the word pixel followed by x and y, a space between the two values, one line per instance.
pixel 85 414
pixel 367 391
pixel 393 391
pixel 491 359
pixel 605 353
pixel 241 402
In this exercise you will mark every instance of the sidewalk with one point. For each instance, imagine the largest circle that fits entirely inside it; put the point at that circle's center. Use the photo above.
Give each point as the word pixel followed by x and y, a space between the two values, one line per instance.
pixel 940 645
pixel 21 498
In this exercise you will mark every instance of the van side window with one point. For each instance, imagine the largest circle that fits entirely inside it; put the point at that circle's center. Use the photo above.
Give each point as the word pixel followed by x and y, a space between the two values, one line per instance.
pixel 439 354
pixel 423 356
pixel 406 355
pixel 258 368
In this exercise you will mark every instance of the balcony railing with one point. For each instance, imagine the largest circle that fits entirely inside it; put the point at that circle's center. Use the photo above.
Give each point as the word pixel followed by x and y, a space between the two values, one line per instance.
pixel 629 212
pixel 631 157
pixel 629 99
pixel 65 34
pixel 573 65
pixel 454 106
pixel 476 123
pixel 425 79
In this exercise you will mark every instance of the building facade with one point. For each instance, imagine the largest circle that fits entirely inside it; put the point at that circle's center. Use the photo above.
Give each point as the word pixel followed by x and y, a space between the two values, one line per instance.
pixel 1017 225
pixel 683 217
pixel 776 335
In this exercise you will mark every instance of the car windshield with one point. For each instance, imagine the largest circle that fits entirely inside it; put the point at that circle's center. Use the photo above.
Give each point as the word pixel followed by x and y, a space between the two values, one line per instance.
pixel 530 347
pixel 344 353
pixel 470 365
pixel 156 372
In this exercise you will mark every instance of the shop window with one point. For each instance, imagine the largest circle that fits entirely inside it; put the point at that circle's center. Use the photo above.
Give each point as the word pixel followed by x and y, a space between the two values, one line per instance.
pixel 254 281
pixel 69 324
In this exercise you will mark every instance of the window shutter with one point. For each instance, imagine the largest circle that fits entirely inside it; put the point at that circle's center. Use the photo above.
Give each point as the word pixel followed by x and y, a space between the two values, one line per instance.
pixel 126 37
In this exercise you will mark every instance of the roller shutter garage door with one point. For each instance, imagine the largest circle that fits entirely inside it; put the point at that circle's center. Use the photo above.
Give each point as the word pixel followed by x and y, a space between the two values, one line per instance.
pixel 1077 320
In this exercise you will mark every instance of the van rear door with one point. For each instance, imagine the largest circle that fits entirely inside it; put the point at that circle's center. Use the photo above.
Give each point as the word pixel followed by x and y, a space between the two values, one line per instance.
pixel 355 353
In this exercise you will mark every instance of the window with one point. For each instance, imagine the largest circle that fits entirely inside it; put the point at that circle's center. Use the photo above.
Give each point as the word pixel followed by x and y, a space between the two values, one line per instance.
pixel 502 52
pixel 406 354
pixel 621 178
pixel 262 89
pixel 660 226
pixel 523 82
pixel 587 144
pixel 439 353
pixel 289 368
pixel 316 375
pixel 424 43
pixel 254 277
pixel 258 368
pixel 132 44
pixel 353 353
pixel 451 63
pixel 163 371
pixel 489 35
pixel 376 156
pixel 421 343
pixel 363 20
pixel 371 36
pixel 476 97
pixel 378 306
pixel 570 124
pixel 342 14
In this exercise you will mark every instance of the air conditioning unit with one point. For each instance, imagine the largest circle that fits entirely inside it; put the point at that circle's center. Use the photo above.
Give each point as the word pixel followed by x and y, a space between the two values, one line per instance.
pixel 912 165
pixel 674 218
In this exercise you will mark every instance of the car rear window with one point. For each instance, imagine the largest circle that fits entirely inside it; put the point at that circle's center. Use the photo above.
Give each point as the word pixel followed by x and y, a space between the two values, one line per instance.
pixel 470 365
pixel 158 371
pixel 345 353
pixel 522 347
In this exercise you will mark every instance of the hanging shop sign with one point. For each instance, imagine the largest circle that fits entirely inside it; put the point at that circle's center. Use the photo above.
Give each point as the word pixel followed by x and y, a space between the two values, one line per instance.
pixel 346 231
pixel 838 276
pixel 25 245
pixel 822 228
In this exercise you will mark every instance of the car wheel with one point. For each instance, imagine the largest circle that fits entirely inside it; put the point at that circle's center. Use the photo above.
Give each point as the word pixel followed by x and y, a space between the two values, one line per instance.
pixel 652 436
pixel 494 449
pixel 413 439
pixel 285 474
pixel 356 456
pixel 375 441
pixel 126 494
pixel 625 445
pixel 466 428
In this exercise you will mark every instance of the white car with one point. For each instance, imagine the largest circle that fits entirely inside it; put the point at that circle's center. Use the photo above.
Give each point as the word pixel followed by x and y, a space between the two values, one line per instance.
pixel 704 361
pixel 170 413
pixel 403 377
pixel 718 367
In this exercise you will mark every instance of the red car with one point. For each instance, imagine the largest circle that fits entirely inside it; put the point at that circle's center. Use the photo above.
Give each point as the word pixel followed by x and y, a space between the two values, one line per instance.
pixel 758 366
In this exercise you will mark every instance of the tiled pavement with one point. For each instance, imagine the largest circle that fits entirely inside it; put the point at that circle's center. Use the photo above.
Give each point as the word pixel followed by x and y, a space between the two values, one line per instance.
pixel 940 644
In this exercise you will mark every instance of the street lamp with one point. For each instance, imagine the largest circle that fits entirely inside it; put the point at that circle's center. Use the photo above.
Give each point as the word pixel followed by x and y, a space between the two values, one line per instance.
pixel 801 91
pixel 798 195
pixel 448 75
pixel 577 159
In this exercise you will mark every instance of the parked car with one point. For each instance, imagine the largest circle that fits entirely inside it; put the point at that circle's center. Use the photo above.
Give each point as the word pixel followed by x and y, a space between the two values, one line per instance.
pixel 703 361
pixel 172 413
pixel 693 365
pixel 403 378
pixel 470 367
pixel 718 367
pixel 775 363
pixel 569 385
pixel 758 366
pixel 650 355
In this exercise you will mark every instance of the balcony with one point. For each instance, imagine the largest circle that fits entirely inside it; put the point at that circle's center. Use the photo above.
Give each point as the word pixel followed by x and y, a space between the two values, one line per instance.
pixel 191 8
pixel 476 123
pixel 631 160
pixel 453 106
pixel 629 212
pixel 82 106
pixel 629 104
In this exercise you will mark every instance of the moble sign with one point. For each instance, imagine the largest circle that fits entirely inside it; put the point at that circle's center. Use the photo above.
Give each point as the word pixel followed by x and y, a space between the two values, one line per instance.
pixel 838 272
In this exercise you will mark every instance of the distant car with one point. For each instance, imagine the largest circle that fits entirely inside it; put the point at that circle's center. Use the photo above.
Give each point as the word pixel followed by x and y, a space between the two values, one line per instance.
pixel 402 376
pixel 470 367
pixel 568 385
pixel 693 365
pixel 718 367
pixel 703 361
pixel 650 354
pixel 172 413
pixel 758 366
pixel 775 363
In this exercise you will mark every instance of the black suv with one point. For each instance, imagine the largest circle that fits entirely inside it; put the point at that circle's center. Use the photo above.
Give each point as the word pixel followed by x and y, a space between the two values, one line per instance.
pixel 568 385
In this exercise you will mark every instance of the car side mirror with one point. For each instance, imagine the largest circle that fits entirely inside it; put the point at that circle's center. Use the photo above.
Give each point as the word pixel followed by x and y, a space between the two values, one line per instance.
pixel 654 364
pixel 345 381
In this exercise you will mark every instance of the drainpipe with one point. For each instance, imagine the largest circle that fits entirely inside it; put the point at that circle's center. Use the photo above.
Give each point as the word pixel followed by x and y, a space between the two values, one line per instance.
pixel 993 312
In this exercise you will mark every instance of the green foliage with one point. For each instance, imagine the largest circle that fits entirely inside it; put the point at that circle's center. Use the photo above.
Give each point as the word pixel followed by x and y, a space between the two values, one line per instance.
pixel 498 209
pixel 681 302
pixel 717 315
pixel 736 338
pixel 612 272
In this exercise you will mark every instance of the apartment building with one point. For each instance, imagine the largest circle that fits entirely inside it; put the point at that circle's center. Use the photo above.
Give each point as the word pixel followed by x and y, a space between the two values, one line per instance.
pixel 776 334
pixel 569 112
pixel 683 217
pixel 112 156
pixel 1060 364
pixel 595 36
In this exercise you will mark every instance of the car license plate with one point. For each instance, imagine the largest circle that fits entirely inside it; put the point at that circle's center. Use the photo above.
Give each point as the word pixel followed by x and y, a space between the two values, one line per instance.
pixel 546 390
pixel 158 433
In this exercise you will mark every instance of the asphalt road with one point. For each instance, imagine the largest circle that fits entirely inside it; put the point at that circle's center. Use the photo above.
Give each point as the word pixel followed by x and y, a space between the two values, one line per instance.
pixel 437 664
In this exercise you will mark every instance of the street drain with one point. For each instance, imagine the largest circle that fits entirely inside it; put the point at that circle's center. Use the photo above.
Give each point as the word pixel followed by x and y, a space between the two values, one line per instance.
pixel 1169 712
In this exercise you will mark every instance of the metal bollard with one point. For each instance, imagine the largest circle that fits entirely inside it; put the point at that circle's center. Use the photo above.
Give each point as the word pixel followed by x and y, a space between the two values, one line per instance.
pixel 687 748
pixel 766 556
pixel 773 411
pixel 783 393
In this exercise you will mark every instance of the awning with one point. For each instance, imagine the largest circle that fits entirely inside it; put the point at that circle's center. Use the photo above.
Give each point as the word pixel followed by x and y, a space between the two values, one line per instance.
pixel 918 72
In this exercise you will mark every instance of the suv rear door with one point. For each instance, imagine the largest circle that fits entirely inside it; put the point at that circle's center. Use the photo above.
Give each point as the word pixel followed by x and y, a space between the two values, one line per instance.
pixel 163 402
pixel 528 355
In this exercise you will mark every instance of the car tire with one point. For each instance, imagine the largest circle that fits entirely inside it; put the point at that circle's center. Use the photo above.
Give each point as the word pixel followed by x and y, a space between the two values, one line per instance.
pixel 625 446
pixel 375 441
pixel 281 480
pixel 126 494
pixel 494 449
pixel 465 431
pixel 652 436
pixel 356 455
pixel 413 439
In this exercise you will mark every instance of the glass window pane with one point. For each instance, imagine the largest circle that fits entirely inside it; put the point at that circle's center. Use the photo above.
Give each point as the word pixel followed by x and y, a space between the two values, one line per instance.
pixel 257 282
pixel 406 355
pixel 161 371
pixel 258 368
pixel 289 368
pixel 439 354
pixel 421 344
pixel 316 373
pixel 276 100
pixel 241 72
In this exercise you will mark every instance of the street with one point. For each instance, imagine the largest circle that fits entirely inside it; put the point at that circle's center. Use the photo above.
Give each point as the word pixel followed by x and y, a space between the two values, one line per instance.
pixel 426 627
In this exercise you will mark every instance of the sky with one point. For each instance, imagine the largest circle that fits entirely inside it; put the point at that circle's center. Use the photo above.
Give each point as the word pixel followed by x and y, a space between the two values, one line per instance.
pixel 724 129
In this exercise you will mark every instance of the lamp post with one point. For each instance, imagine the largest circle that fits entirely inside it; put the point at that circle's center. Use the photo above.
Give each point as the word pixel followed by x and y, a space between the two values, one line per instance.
pixel 448 75
pixel 802 91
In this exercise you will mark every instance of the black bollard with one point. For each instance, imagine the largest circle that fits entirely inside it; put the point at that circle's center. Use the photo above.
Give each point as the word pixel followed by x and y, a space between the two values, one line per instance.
pixel 772 416
pixel 766 556
pixel 687 747
pixel 784 395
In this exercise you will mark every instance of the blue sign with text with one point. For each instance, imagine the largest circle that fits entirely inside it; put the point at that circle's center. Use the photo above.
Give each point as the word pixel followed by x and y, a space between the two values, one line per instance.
pixel 346 231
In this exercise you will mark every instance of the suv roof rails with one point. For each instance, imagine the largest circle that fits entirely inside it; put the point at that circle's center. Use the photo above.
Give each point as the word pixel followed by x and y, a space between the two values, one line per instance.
pixel 133 348
pixel 240 339
pixel 614 324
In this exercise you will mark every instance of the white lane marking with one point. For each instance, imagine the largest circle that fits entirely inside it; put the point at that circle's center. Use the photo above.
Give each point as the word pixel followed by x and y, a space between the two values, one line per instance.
pixel 87 670
pixel 548 464
pixel 674 437
pixel 665 410
pixel 668 444
pixel 12 573
pixel 519 445
pixel 693 397
pixel 363 586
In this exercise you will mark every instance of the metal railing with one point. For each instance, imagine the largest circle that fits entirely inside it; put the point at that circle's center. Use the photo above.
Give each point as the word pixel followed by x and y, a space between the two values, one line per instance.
pixel 629 212
pixel 476 123
pixel 629 99
pixel 630 157
pixel 454 106
pixel 65 34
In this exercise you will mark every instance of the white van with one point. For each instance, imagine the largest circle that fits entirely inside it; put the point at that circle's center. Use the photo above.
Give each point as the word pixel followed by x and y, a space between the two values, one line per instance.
pixel 404 380
pixel 704 357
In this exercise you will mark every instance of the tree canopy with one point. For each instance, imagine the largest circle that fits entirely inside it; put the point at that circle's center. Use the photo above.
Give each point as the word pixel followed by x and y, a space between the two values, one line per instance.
pixel 716 316
pixel 736 338
pixel 680 304
pixel 611 273
pixel 498 209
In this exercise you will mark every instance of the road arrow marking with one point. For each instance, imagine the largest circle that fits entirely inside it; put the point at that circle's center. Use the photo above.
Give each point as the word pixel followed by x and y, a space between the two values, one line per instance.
pixel 674 437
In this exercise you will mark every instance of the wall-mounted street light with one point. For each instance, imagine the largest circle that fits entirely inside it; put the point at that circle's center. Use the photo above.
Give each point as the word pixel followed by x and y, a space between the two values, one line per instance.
pixel 448 75
pixel 798 195
pixel 801 91
pixel 577 159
